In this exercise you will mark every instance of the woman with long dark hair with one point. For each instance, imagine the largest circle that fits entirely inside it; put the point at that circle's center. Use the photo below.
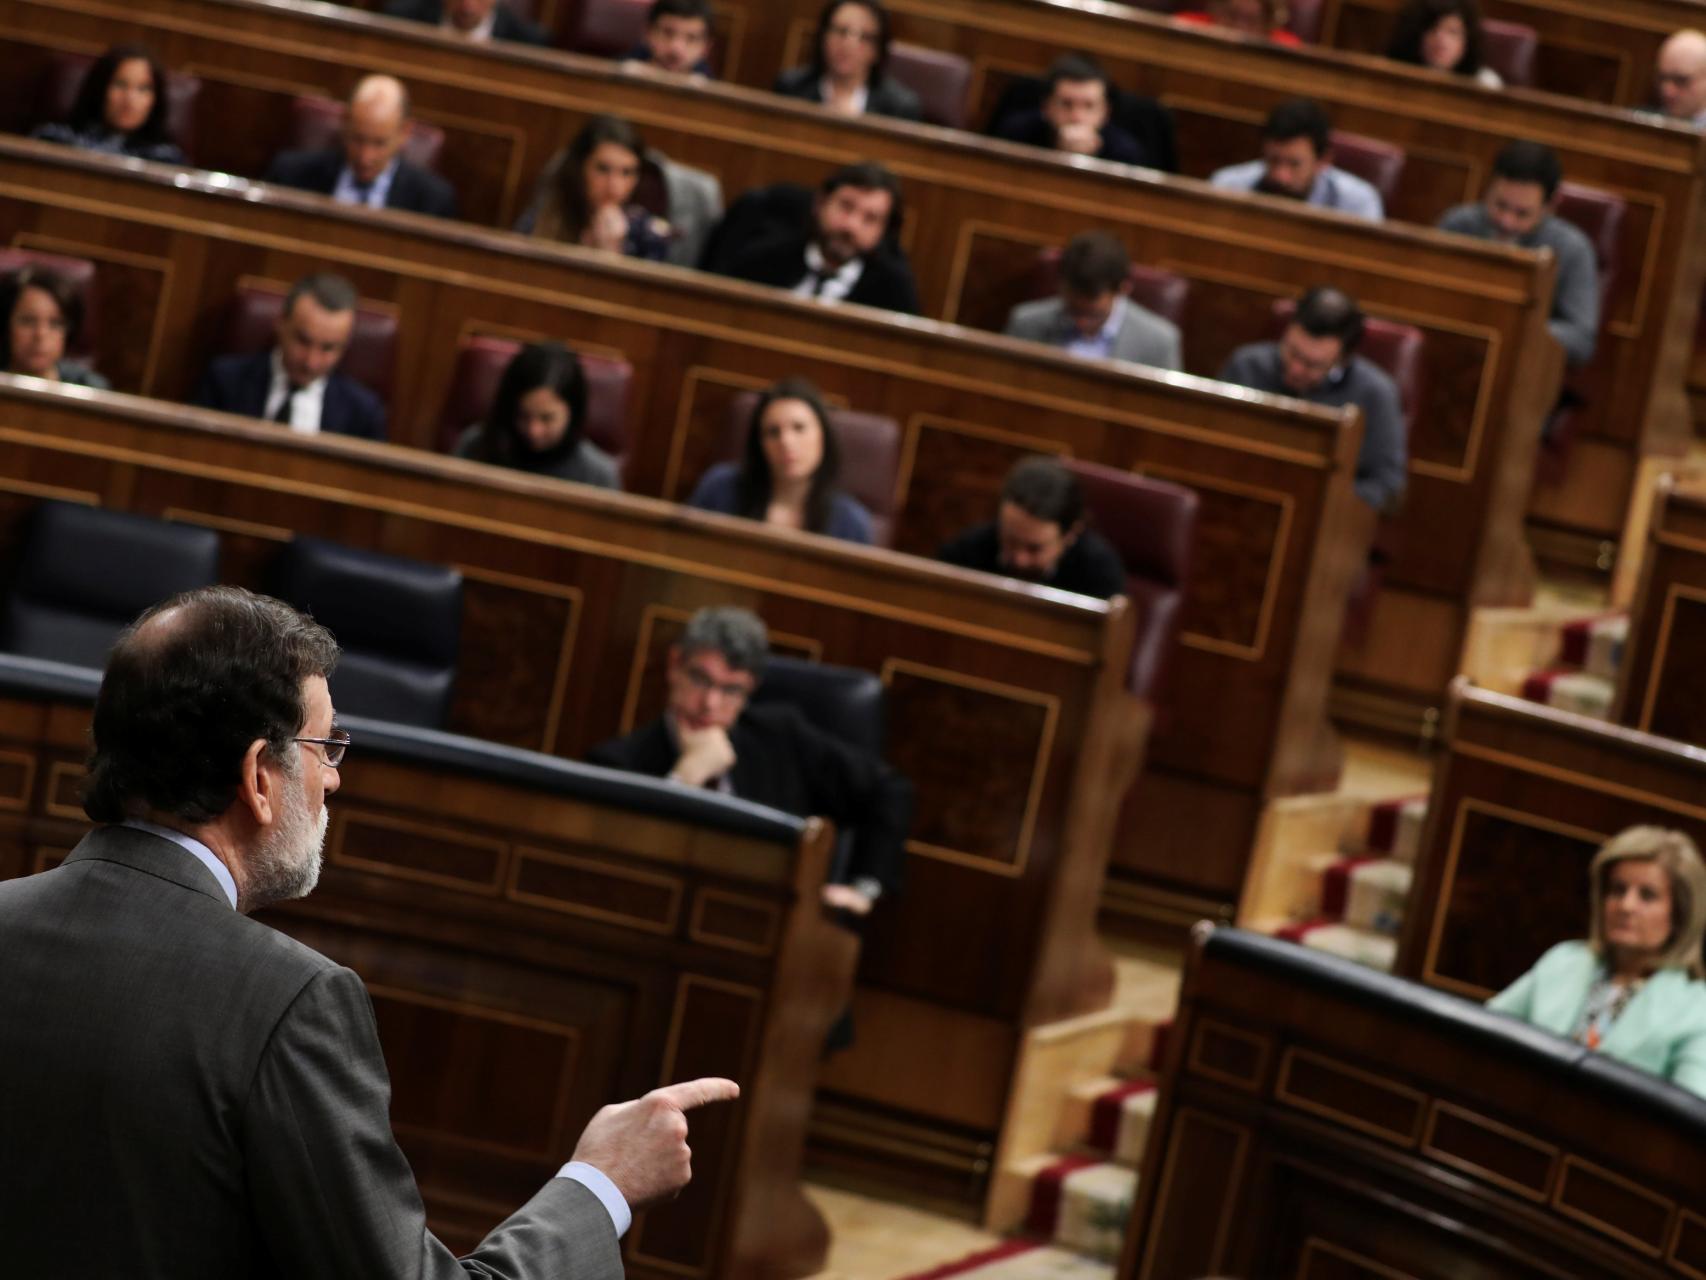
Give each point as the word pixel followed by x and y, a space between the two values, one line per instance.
pixel 1445 35
pixel 120 108
pixel 538 419
pixel 586 194
pixel 849 67
pixel 42 314
pixel 788 473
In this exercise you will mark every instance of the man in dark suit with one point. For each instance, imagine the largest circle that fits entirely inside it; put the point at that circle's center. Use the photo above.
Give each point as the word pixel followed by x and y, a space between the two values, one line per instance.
pixel 190 1095
pixel 478 20
pixel 369 168
pixel 843 250
pixel 709 737
pixel 1077 113
pixel 295 382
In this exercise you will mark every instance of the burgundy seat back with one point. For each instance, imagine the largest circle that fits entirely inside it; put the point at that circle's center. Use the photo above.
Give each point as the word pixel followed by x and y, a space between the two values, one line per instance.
pixel 1510 48
pixel 1152 525
pixel 1599 216
pixel 1303 20
pixel 1399 349
pixel 316 124
pixel 79 273
pixel 938 77
pixel 1380 164
pixel 372 356
pixel 607 28
pixel 870 457
pixel 1166 294
pixel 480 364
pixel 65 72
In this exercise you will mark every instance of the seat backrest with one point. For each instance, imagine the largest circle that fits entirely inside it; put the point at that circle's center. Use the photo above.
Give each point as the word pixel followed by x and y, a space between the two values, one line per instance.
pixel 316 125
pixel 607 28
pixel 1378 163
pixel 79 273
pixel 398 622
pixel 939 78
pixel 1599 216
pixel 372 356
pixel 1152 525
pixel 870 457
pixel 64 78
pixel 1303 20
pixel 1399 349
pixel 1510 48
pixel 480 364
pixel 84 574
pixel 1166 294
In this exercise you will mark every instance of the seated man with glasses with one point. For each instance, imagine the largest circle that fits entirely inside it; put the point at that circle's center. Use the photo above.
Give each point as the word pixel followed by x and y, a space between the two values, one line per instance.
pixel 1315 359
pixel 709 737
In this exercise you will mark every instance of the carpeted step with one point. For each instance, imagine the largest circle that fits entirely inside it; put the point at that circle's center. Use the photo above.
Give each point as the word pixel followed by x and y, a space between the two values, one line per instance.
pixel 1119 1121
pixel 1395 827
pixel 1574 691
pixel 1082 1203
pixel 1376 950
pixel 1377 894
pixel 1594 645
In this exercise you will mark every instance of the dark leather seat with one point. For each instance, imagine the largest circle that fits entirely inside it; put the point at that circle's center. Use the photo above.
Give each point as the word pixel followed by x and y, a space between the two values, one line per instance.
pixel 1378 163
pixel 372 356
pixel 84 573
pixel 64 77
pixel 1510 49
pixel 870 457
pixel 79 273
pixel 316 124
pixel 398 621
pixel 939 78
pixel 606 28
pixel 480 364
pixel 1599 215
pixel 1153 526
pixel 1152 288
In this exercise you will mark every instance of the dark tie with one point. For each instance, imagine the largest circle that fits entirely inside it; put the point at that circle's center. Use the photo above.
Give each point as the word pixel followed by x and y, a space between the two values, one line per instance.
pixel 283 414
pixel 819 279
pixel 363 190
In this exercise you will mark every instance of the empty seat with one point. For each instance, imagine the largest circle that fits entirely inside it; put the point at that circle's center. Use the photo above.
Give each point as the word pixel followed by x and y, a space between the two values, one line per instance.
pixel 84 574
pixel 64 77
pixel 316 125
pixel 399 623
pixel 1152 524
pixel 870 457
pixel 1166 294
pixel 1510 49
pixel 480 364
pixel 372 356
pixel 1380 164
pixel 938 77
pixel 79 273
pixel 607 28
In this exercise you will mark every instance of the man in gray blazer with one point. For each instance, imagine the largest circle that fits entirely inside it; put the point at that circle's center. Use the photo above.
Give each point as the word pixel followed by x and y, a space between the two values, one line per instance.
pixel 190 1095
pixel 1092 316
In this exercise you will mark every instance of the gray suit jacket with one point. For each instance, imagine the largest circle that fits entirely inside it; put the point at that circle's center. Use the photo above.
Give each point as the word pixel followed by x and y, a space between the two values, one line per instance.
pixel 695 204
pixel 1143 336
pixel 191 1095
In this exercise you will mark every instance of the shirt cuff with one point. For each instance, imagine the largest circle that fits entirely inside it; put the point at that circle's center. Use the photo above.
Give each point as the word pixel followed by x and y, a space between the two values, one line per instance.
pixel 590 1177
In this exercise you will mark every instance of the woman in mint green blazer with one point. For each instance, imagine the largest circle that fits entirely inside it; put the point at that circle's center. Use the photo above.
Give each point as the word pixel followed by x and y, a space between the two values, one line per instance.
pixel 1636 989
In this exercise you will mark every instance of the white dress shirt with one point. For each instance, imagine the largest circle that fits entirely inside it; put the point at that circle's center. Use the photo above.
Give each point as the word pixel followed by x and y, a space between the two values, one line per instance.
pixel 1099 345
pixel 481 33
pixel 305 408
pixel 861 95
pixel 348 190
pixel 834 288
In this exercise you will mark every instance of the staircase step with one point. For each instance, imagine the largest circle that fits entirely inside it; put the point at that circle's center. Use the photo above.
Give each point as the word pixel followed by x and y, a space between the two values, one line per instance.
pixel 1095 1206
pixel 1378 892
pixel 1376 950
pixel 1575 691
pixel 1048 1182
pixel 1395 827
pixel 1594 645
pixel 1119 1121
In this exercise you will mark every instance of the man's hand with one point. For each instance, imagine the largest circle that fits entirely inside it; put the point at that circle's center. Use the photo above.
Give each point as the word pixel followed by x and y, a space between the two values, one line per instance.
pixel 705 754
pixel 845 897
pixel 641 1146
pixel 1081 139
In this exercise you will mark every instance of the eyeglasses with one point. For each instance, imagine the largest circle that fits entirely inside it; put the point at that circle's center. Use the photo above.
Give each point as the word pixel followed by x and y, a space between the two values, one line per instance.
pixel 703 682
pixel 331 749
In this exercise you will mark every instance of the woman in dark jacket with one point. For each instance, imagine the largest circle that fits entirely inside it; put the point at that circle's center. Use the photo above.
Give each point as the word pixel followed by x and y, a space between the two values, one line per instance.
pixel 120 108
pixel 537 419
pixel 849 67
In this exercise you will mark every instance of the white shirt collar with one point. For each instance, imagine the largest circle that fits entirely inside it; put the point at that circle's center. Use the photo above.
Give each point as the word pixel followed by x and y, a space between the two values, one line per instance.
pixel 203 855
pixel 481 33
pixel 305 408
pixel 835 287
pixel 861 96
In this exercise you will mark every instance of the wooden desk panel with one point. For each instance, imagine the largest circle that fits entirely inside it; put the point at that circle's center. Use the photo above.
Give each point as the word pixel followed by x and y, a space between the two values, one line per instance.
pixel 1311 1126
pixel 1522 800
pixel 1660 686
pixel 535 968
pixel 1280 530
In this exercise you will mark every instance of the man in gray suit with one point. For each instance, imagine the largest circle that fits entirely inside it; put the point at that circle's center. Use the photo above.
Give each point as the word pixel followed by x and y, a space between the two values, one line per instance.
pixel 1092 316
pixel 190 1095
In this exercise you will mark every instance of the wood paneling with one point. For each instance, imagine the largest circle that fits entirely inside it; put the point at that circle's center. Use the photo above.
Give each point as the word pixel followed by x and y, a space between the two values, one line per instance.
pixel 1661 688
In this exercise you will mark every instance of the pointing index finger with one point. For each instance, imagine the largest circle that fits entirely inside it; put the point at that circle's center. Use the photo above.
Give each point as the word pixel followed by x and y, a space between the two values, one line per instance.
pixel 696 1093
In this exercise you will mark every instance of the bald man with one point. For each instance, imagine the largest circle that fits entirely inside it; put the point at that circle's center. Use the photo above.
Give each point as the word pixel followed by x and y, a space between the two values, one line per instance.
pixel 368 167
pixel 1681 78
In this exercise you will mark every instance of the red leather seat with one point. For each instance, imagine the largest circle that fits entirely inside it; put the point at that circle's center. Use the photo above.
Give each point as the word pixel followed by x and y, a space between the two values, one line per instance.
pixel 317 123
pixel 870 457
pixel 1510 49
pixel 65 72
pixel 1166 294
pixel 1152 524
pixel 607 28
pixel 939 78
pixel 480 364
pixel 1599 216
pixel 1399 349
pixel 372 356
pixel 1378 163
pixel 79 273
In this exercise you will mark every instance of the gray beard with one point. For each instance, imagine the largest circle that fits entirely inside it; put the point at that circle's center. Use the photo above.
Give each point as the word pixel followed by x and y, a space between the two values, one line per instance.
pixel 287 864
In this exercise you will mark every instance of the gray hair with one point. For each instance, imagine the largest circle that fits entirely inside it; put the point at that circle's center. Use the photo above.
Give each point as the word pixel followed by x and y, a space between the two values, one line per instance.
pixel 737 634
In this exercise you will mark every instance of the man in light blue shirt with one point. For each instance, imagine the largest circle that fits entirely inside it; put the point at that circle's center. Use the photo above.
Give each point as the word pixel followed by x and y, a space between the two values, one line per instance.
pixel 1297 161
pixel 1093 315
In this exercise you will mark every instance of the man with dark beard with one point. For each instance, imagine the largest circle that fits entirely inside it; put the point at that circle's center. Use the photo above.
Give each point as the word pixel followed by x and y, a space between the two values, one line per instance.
pixel 1297 162
pixel 1039 535
pixel 192 1095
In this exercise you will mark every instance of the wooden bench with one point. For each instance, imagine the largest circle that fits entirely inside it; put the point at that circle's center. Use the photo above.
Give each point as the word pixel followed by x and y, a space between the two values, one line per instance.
pixel 1661 687
pixel 538 943
pixel 1319 1119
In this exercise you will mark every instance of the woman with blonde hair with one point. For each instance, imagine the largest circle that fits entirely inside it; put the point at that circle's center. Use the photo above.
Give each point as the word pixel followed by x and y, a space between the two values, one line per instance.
pixel 1636 989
